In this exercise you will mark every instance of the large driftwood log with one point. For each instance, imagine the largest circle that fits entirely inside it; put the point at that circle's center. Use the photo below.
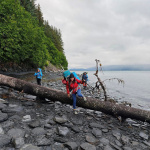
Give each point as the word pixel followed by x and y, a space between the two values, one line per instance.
pixel 91 103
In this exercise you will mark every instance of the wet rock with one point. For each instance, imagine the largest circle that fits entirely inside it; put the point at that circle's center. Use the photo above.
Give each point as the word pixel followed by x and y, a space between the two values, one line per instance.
pixel 3 117
pixel 4 140
pixel 96 132
pixel 143 135
pixel 60 120
pixel 71 145
pixel 38 131
pixel 63 131
pixel 18 142
pixel 29 147
pixel 16 133
pixel 92 140
pixel 34 124
pixel 87 146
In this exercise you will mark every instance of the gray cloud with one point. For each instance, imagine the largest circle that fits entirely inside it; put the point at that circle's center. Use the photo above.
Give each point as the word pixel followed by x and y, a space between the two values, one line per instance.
pixel 116 32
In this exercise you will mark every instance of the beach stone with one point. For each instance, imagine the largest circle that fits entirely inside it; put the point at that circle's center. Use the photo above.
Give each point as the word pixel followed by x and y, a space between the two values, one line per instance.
pixel 60 139
pixel 28 103
pixel 63 131
pixel 96 125
pixel 4 140
pixel 3 117
pixel 118 143
pixel 87 146
pixel 7 124
pixel 48 126
pixel 130 121
pixel 105 130
pixel 38 131
pixel 14 109
pixel 146 143
pixel 116 134
pixel 2 106
pixel 104 141
pixel 92 140
pixel 57 146
pixel 34 124
pixel 96 132
pixel 75 129
pixel 26 118
pixel 16 133
pixel 60 120
pixel 1 130
pixel 18 142
pixel 107 147
pixel 143 135
pixel 115 146
pixel 43 141
pixel 29 147
pixel 127 148
pixel 71 145
pixel 125 139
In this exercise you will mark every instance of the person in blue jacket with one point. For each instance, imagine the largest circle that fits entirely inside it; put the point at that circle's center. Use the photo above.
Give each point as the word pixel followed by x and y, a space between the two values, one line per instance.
pixel 84 80
pixel 38 75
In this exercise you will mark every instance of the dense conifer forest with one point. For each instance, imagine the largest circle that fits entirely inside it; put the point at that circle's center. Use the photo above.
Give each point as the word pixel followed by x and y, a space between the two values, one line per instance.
pixel 25 37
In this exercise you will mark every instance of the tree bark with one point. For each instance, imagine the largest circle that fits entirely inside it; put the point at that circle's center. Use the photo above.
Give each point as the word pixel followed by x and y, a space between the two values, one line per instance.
pixel 91 103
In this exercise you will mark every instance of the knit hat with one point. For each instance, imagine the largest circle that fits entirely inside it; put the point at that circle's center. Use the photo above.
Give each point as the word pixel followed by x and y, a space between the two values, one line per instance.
pixel 71 75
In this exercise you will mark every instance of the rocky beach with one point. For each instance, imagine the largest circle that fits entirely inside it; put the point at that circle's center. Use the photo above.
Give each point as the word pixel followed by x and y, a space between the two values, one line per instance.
pixel 28 124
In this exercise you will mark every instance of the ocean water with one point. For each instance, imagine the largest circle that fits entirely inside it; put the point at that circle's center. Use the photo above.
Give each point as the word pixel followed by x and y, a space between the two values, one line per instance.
pixel 136 89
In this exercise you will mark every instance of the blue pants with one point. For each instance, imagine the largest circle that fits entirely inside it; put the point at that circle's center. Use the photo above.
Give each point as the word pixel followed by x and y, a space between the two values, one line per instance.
pixel 74 97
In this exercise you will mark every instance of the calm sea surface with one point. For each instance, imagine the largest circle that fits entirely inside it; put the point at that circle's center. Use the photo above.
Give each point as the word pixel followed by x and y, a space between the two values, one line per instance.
pixel 136 89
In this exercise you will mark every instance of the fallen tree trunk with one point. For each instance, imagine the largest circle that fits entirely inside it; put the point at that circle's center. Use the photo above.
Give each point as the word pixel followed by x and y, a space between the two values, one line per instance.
pixel 91 103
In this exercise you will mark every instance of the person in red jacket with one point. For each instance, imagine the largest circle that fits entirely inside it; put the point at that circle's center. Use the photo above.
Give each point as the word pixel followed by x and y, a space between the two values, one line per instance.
pixel 72 85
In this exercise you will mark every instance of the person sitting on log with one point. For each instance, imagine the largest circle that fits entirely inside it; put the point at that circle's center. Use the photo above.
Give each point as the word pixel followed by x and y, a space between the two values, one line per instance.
pixel 72 86
pixel 38 75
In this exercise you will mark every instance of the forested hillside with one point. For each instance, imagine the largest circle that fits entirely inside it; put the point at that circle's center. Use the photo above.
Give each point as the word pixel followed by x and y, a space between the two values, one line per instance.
pixel 25 37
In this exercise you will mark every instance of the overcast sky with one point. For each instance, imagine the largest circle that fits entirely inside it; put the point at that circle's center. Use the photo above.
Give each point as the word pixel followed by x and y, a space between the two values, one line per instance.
pixel 117 32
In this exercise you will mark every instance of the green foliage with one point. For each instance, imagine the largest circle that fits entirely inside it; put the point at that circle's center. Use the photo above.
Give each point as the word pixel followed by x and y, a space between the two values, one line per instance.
pixel 23 38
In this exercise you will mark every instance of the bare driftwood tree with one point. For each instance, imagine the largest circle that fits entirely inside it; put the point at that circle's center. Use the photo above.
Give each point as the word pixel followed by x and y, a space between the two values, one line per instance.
pixel 100 84
pixel 91 103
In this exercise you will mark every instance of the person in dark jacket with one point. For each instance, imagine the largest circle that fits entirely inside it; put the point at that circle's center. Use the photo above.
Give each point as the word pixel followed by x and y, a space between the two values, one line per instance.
pixel 84 80
pixel 38 75
pixel 72 85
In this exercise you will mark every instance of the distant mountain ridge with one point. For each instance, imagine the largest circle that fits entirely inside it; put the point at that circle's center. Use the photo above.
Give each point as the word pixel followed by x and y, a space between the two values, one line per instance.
pixel 145 67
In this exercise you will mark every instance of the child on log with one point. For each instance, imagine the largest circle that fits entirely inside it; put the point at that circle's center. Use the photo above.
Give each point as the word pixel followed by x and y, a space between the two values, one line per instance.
pixel 72 85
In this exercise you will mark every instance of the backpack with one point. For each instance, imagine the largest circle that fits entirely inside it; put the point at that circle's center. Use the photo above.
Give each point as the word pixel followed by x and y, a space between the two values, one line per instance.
pixel 66 74
pixel 76 76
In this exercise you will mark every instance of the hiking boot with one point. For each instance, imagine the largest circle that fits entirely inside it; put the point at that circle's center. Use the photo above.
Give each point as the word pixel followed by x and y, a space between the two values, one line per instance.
pixel 84 98
pixel 75 112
